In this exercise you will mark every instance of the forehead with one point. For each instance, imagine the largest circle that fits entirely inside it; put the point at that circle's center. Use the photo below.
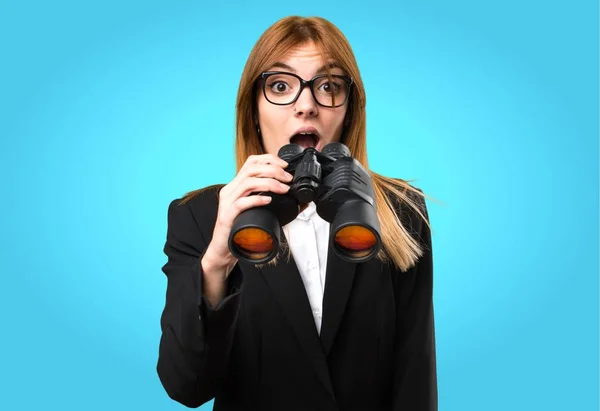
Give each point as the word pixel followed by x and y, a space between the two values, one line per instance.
pixel 305 59
pixel 304 51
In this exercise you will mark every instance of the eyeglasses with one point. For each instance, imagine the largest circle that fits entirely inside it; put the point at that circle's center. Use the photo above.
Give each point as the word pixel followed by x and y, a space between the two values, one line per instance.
pixel 282 88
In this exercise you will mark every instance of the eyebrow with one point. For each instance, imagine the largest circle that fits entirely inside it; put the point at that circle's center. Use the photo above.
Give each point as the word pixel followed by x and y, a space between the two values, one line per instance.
pixel 321 69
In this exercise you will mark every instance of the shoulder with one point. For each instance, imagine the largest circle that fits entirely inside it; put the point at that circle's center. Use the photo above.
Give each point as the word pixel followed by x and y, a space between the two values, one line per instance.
pixel 195 208
pixel 407 201
pixel 409 233
pixel 414 207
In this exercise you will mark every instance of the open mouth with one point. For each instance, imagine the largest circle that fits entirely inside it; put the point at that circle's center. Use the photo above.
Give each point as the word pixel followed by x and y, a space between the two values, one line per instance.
pixel 305 140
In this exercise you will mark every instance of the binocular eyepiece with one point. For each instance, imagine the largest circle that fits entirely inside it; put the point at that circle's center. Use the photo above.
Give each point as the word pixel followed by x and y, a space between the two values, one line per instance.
pixel 342 191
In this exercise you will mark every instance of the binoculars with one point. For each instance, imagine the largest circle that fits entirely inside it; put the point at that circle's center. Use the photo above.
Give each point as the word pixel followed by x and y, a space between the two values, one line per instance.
pixel 342 190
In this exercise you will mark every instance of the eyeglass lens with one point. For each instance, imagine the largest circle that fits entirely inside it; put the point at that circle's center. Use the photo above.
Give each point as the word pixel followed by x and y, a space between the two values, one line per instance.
pixel 284 88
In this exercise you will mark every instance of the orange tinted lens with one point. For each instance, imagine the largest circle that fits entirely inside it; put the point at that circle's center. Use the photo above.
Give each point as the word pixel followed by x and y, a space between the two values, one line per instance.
pixel 253 242
pixel 355 240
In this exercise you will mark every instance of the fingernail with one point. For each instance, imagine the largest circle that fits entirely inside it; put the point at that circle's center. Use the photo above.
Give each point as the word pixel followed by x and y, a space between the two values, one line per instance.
pixel 284 186
pixel 289 176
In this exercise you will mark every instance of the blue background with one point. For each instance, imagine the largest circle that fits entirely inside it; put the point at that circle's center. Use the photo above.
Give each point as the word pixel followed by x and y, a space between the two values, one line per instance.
pixel 107 111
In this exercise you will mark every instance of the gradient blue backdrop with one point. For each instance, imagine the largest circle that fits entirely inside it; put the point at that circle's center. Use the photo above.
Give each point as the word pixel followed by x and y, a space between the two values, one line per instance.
pixel 107 111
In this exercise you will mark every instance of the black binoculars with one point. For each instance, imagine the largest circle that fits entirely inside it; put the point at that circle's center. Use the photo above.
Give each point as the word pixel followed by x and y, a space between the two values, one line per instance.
pixel 342 190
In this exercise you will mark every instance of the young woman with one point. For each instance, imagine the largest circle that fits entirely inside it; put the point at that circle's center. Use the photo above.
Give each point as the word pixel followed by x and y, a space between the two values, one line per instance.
pixel 314 331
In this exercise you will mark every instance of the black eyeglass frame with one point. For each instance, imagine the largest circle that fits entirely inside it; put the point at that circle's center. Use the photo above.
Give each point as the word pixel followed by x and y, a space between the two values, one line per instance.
pixel 306 83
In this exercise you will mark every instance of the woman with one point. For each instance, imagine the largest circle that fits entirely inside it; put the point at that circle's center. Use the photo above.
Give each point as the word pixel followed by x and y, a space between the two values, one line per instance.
pixel 311 332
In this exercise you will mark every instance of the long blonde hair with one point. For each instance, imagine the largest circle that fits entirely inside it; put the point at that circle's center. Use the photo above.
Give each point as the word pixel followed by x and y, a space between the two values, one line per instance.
pixel 398 245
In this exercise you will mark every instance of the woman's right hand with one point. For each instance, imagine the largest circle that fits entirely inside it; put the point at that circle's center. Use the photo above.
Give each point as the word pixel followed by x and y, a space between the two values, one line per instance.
pixel 264 172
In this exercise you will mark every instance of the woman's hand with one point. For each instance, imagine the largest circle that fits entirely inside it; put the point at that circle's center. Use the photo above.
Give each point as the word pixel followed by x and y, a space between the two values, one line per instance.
pixel 259 173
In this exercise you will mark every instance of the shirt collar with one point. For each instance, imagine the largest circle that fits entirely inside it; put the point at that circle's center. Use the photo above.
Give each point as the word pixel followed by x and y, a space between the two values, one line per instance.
pixel 308 212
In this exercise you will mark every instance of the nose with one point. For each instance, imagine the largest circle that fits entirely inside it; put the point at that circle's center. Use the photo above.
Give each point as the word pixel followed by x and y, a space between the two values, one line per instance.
pixel 306 104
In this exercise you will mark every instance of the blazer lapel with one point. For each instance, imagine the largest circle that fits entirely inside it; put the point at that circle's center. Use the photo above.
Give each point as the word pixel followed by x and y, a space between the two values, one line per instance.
pixel 338 285
pixel 286 283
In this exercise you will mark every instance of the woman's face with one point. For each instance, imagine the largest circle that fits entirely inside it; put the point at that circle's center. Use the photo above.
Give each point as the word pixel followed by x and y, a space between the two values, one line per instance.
pixel 281 124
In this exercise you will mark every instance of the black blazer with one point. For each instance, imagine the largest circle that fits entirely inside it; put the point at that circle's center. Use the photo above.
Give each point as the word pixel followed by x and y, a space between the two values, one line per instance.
pixel 259 348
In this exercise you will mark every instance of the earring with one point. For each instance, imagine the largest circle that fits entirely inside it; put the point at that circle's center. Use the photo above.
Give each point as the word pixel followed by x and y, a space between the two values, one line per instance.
pixel 257 130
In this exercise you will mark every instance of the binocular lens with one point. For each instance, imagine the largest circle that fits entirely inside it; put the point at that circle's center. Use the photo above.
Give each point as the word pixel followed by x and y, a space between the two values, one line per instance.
pixel 253 243
pixel 355 241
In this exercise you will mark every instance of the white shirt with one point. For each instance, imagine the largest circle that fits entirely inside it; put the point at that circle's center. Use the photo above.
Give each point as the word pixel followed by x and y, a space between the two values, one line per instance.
pixel 308 237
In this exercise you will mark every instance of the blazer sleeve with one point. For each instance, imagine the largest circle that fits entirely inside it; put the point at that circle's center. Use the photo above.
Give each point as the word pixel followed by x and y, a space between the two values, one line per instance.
pixel 196 338
pixel 415 375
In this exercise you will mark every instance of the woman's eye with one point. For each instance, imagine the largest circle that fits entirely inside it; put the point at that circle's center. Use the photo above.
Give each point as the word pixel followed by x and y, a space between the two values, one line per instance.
pixel 279 87
pixel 330 87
